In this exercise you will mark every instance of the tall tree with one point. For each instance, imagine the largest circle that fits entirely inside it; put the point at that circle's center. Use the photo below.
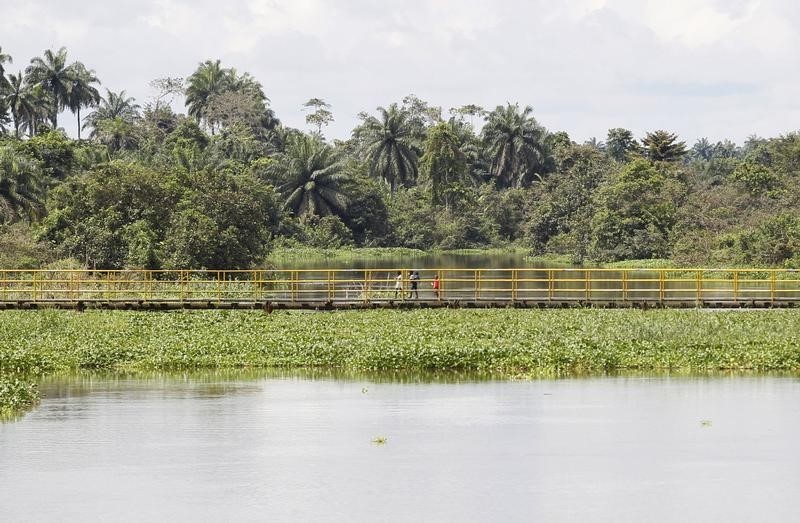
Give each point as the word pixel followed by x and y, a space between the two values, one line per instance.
pixel 444 165
pixel 620 144
pixel 112 106
pixel 166 88
pixel 82 93
pixel 5 118
pixel 4 59
pixel 702 150
pixel 321 114
pixel 469 110
pixel 389 144
pixel 55 76
pixel 20 187
pixel 662 146
pixel 19 101
pixel 310 177
pixel 29 105
pixel 516 143
pixel 208 80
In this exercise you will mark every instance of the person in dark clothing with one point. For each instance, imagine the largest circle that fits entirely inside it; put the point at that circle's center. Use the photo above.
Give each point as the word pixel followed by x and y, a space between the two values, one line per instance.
pixel 414 279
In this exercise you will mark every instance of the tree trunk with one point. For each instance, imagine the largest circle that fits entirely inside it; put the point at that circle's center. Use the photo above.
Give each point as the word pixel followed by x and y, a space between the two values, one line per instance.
pixel 79 122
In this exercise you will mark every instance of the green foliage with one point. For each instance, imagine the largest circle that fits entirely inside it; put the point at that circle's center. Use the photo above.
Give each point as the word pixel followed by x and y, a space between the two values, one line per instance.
pixel 137 193
pixel 444 165
pixel 510 342
pixel 367 215
pixel 321 114
pixel 662 146
pixel 21 186
pixel 222 220
pixel 411 219
pixel 310 177
pixel 389 143
pixel 507 211
pixel 19 248
pixel 517 146
pixel 123 215
pixel 620 144
pixel 54 151
pixel 635 214
pixel 754 177
pixel 774 242
pixel 561 223
pixel 16 396
pixel 328 232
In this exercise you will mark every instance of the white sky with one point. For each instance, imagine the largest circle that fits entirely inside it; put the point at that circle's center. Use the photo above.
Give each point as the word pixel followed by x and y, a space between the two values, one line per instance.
pixel 715 68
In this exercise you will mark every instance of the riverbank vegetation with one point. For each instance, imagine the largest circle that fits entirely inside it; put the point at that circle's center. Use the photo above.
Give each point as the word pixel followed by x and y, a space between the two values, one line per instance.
pixel 222 183
pixel 503 342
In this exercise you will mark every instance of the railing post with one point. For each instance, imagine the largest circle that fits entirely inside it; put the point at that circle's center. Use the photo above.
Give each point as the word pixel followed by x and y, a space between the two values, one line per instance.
pixel 477 284
pixel 736 286
pixel 514 285
pixel 624 285
pixel 699 287
pixel 367 277
pixel 550 285
pixel 587 286
pixel 772 287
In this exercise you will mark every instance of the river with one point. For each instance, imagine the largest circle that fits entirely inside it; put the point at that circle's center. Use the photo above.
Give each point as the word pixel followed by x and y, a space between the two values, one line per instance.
pixel 299 446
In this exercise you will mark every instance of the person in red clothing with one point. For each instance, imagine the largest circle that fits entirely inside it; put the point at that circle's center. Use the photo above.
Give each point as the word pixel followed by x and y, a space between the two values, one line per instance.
pixel 436 285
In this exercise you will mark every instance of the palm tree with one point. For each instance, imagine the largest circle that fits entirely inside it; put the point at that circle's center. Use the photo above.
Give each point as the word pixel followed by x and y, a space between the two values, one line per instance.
pixel 516 143
pixel 5 119
pixel 4 59
pixel 82 93
pixel 20 101
pixel 29 105
pixel 112 106
pixel 703 150
pixel 20 187
pixel 388 141
pixel 115 133
pixel 208 80
pixel 41 103
pixel 55 76
pixel 245 83
pixel 311 177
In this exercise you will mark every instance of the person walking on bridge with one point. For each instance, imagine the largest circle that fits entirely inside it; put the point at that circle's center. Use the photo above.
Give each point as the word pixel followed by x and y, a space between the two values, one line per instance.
pixel 398 284
pixel 414 278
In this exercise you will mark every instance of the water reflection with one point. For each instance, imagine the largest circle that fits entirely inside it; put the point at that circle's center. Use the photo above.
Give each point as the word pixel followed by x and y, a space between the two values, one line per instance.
pixel 289 445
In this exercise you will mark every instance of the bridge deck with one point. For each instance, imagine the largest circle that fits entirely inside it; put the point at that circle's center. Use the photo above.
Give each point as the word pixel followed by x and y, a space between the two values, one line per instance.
pixel 330 289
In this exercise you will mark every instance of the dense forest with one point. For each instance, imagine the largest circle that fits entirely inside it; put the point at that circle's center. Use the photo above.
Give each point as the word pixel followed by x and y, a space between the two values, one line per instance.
pixel 223 184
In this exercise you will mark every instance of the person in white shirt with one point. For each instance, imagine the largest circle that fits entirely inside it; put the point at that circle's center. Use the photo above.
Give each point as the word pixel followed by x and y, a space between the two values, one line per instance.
pixel 398 285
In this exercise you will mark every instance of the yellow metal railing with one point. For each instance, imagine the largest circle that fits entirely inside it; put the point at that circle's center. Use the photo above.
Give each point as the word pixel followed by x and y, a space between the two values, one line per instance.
pixel 662 286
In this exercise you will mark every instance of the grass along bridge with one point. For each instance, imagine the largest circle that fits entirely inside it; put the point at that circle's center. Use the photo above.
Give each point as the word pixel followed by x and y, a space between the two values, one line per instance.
pixel 375 288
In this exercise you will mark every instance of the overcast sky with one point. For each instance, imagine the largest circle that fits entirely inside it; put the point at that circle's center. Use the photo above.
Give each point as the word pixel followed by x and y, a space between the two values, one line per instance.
pixel 715 68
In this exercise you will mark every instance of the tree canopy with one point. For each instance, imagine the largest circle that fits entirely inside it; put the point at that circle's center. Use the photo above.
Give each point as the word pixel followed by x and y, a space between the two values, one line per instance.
pixel 220 185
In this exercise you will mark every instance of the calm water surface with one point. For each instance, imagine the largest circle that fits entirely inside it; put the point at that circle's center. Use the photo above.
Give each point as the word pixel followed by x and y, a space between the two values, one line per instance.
pixel 293 448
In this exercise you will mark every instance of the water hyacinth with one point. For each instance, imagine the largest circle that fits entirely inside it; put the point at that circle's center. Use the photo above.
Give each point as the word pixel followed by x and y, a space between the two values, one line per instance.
pixel 505 342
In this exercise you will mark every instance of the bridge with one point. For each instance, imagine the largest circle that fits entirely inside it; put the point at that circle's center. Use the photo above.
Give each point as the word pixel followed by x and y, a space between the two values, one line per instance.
pixel 325 289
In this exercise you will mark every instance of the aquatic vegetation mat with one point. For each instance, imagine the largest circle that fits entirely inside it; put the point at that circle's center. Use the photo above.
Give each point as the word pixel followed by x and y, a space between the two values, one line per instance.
pixel 505 342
